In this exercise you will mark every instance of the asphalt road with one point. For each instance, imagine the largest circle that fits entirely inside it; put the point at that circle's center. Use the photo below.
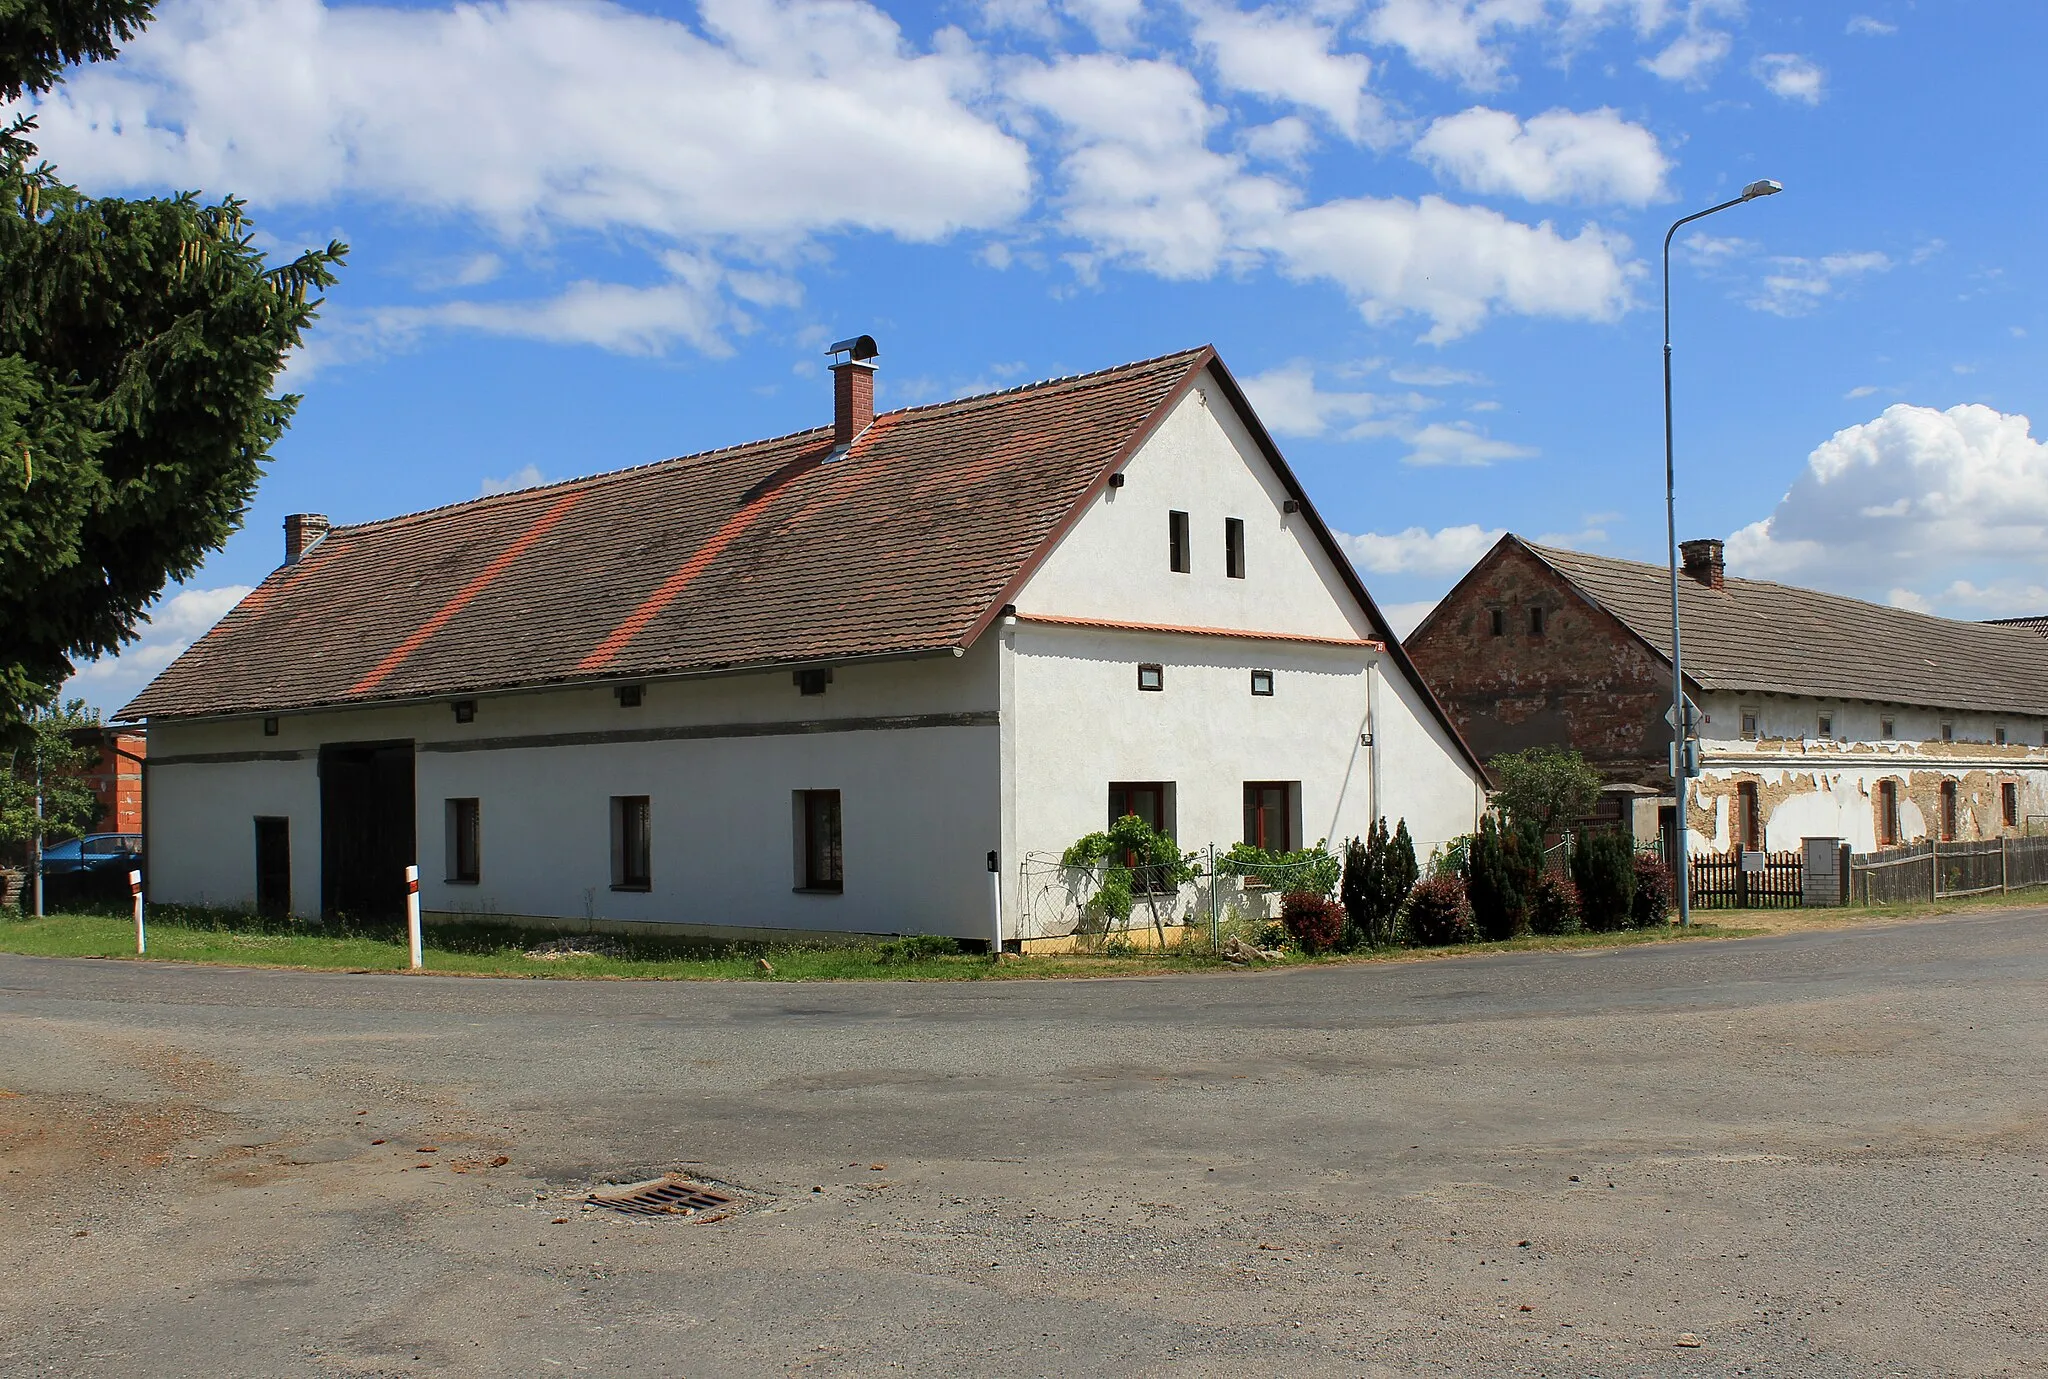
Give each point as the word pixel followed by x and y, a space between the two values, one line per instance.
pixel 1816 1154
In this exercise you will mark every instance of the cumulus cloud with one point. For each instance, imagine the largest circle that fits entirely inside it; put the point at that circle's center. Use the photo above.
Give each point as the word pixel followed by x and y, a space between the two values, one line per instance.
pixel 1291 59
pixel 1420 551
pixel 1692 57
pixel 171 625
pixel 1959 497
pixel 1454 264
pixel 1453 38
pixel 1459 444
pixel 1559 155
pixel 1791 77
pixel 1291 403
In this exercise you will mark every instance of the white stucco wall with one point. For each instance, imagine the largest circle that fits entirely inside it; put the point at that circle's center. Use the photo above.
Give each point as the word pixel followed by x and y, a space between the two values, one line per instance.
pixel 1081 722
pixel 919 805
pixel 1814 787
pixel 1200 461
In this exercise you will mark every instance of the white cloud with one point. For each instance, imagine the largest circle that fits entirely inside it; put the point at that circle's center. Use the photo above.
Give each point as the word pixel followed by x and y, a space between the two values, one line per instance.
pixel 1453 38
pixel 1432 376
pixel 1690 58
pixel 778 122
pixel 1960 498
pixel 1454 264
pixel 1290 59
pixel 1863 26
pixel 1860 390
pixel 526 476
pixel 1404 618
pixel 1289 402
pixel 1791 77
pixel 1420 551
pixel 1113 22
pixel 1459 444
pixel 1557 156
pixel 1286 141
pixel 1798 285
pixel 170 626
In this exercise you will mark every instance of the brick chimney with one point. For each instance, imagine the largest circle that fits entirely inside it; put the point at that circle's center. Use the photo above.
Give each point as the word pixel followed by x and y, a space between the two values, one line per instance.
pixel 301 530
pixel 1704 562
pixel 853 388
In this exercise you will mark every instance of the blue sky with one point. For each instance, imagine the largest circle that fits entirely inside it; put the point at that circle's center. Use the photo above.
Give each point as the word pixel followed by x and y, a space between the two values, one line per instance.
pixel 1423 232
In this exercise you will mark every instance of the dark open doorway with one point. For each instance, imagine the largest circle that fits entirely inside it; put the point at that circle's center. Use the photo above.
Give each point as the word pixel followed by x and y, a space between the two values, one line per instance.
pixel 366 828
pixel 273 867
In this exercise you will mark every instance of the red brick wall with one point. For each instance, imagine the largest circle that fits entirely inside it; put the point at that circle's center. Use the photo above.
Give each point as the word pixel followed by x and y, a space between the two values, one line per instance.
pixel 116 779
pixel 1585 683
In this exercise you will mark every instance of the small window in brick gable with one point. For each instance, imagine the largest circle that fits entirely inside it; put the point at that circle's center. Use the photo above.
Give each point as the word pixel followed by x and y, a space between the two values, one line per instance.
pixel 1536 621
pixel 1499 619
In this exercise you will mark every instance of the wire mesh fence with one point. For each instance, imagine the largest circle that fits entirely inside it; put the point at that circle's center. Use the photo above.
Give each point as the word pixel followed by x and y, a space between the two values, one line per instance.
pixel 1111 904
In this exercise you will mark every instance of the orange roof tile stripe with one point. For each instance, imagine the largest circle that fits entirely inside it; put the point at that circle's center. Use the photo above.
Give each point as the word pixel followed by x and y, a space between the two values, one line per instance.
pixel 1108 625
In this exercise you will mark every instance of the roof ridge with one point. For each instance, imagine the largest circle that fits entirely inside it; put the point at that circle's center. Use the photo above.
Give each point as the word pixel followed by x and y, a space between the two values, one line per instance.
pixel 398 518
pixel 602 474
pixel 1056 381
pixel 1804 589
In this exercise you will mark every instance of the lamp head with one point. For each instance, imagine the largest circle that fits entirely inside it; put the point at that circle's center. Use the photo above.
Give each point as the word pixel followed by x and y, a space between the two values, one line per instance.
pixel 1763 187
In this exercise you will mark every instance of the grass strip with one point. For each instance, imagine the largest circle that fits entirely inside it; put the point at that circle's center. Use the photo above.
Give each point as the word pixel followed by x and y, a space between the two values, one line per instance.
pixel 498 951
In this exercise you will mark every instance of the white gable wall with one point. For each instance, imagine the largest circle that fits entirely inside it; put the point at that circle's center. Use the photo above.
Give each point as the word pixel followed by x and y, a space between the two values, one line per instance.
pixel 1203 462
pixel 1078 722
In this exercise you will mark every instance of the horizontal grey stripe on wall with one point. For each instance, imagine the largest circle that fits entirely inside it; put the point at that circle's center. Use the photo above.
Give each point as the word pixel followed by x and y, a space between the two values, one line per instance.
pixel 227 758
pixel 985 718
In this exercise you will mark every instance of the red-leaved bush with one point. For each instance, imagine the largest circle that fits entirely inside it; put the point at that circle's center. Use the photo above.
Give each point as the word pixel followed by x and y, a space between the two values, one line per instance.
pixel 1655 892
pixel 1316 922
pixel 1439 912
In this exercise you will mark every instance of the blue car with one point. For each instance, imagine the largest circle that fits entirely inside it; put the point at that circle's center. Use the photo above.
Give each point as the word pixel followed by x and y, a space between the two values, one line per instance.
pixel 95 854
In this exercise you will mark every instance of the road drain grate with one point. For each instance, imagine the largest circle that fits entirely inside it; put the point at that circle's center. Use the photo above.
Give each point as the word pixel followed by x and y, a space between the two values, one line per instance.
pixel 670 1196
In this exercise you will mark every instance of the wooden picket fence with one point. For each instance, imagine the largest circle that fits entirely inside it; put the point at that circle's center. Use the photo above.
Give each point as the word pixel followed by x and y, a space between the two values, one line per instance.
pixel 1932 871
pixel 1718 882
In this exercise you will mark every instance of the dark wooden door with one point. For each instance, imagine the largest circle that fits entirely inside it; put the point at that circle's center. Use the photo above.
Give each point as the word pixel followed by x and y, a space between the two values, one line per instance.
pixel 274 867
pixel 366 828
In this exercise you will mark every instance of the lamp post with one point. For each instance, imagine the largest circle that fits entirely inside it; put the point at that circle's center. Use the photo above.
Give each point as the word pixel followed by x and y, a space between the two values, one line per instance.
pixel 1680 767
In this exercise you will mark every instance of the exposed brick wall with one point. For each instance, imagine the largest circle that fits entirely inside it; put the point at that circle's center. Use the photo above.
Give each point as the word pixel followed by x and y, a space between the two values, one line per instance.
pixel 1585 683
pixel 115 775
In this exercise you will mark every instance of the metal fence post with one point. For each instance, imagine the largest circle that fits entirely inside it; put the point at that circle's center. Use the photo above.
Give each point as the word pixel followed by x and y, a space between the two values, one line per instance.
pixel 1934 869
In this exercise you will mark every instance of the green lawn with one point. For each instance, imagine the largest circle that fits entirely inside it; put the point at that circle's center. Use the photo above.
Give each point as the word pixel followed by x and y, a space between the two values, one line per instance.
pixel 238 940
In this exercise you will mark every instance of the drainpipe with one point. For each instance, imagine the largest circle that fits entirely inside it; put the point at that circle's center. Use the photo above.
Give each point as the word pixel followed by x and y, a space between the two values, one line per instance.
pixel 1372 733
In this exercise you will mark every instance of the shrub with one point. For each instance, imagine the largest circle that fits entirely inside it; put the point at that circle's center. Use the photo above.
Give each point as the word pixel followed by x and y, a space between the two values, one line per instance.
pixel 1548 787
pixel 1555 909
pixel 1655 892
pixel 1501 874
pixel 1379 871
pixel 1314 921
pixel 1604 868
pixel 917 948
pixel 1438 912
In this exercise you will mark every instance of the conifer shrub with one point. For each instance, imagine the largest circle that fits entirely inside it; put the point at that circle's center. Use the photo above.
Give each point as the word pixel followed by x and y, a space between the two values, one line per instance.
pixel 1604 868
pixel 1438 912
pixel 1313 921
pixel 1501 874
pixel 1556 906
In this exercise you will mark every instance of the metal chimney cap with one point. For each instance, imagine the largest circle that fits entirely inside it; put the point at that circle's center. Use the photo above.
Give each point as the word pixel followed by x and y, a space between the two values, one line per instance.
pixel 860 348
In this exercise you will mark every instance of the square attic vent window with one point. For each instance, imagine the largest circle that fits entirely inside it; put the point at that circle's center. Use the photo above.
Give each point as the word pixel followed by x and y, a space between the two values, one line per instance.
pixel 1262 682
pixel 1151 677
pixel 813 679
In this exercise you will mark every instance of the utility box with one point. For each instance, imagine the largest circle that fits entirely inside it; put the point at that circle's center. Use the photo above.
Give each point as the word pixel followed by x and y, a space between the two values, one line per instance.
pixel 1821 880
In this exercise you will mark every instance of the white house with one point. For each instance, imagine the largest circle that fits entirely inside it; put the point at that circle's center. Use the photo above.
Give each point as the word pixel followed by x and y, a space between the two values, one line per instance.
pixel 805 684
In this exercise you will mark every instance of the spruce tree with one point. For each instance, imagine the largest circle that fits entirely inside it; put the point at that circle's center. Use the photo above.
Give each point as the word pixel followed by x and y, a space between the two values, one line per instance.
pixel 139 343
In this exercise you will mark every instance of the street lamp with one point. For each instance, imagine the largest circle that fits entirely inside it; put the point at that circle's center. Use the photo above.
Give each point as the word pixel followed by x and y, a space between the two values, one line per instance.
pixel 1680 766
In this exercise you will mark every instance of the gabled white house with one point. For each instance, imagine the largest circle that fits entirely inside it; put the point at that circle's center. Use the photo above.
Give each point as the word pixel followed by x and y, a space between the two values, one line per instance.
pixel 806 684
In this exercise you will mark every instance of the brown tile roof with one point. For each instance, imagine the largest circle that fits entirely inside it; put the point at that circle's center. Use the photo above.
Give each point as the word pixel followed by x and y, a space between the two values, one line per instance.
pixel 2037 625
pixel 1758 636
pixel 760 554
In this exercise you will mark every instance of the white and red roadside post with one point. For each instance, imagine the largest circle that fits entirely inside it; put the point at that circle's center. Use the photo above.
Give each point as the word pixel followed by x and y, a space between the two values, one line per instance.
pixel 412 916
pixel 135 893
